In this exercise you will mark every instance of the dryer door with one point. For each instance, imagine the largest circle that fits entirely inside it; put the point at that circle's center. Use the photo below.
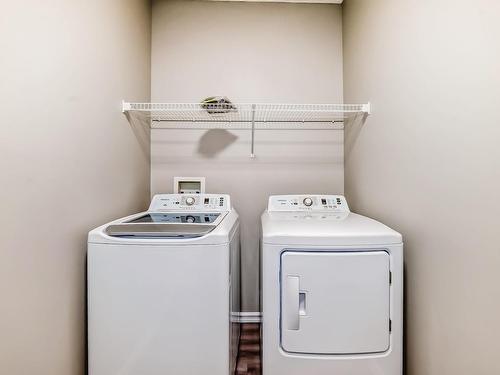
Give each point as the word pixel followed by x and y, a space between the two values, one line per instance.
pixel 335 302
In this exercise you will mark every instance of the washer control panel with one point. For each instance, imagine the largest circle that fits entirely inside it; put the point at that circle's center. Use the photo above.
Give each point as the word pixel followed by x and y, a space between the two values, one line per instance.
pixel 316 203
pixel 191 202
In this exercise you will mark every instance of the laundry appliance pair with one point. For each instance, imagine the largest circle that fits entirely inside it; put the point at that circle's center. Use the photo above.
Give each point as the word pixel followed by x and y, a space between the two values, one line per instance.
pixel 163 288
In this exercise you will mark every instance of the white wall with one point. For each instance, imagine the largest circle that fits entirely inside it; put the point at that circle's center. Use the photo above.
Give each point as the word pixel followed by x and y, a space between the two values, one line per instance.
pixel 69 162
pixel 427 162
pixel 248 52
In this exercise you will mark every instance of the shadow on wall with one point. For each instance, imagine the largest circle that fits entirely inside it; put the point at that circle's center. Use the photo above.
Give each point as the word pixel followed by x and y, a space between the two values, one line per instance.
pixel 353 127
pixel 214 141
pixel 140 125
pixel 189 146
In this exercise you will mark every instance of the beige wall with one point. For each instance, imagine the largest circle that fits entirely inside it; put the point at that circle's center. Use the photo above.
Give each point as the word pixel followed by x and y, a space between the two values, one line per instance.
pixel 427 162
pixel 248 52
pixel 69 162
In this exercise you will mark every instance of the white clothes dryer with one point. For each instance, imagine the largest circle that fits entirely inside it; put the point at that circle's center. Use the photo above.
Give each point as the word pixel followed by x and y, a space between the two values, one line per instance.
pixel 162 287
pixel 332 290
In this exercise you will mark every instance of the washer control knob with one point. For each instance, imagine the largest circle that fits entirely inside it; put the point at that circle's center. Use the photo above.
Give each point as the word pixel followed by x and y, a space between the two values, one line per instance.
pixel 190 219
pixel 190 201
pixel 307 202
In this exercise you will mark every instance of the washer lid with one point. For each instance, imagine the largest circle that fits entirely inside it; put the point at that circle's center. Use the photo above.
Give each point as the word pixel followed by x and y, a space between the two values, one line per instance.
pixel 325 229
pixel 148 228
pixel 154 230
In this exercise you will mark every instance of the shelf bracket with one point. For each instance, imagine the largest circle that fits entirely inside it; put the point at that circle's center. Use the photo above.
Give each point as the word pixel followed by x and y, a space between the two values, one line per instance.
pixel 126 106
pixel 367 108
pixel 252 151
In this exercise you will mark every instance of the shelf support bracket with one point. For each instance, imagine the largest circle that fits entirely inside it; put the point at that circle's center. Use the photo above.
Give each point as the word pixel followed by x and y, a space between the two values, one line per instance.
pixel 252 151
pixel 126 106
pixel 367 108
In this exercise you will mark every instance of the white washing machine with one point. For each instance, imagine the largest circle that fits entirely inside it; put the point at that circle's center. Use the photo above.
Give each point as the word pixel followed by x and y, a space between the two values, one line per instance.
pixel 332 290
pixel 162 287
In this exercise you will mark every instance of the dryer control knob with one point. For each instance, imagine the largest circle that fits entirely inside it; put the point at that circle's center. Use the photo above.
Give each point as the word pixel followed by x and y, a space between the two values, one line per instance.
pixel 307 202
pixel 190 201
pixel 190 219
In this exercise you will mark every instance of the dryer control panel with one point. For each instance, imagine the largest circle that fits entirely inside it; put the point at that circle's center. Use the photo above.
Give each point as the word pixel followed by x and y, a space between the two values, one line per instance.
pixel 315 203
pixel 190 202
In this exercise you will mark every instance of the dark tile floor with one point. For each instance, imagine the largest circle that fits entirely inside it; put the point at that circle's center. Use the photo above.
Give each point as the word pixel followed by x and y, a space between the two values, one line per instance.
pixel 249 362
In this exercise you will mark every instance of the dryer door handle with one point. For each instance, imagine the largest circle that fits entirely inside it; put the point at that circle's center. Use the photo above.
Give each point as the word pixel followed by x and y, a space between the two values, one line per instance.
pixel 290 308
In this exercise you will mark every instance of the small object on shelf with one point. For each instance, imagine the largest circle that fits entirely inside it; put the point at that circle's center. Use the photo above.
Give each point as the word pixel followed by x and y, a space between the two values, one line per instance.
pixel 217 104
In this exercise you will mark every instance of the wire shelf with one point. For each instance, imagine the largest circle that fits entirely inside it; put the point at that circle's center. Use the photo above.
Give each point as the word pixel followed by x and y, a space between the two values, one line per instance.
pixel 258 116
pixel 244 112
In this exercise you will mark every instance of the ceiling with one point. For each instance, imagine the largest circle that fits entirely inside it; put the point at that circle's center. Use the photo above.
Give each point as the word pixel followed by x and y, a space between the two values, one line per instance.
pixel 290 1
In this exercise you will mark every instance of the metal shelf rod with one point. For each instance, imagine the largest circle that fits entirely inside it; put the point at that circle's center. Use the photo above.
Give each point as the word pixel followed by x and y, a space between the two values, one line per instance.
pixel 252 153
pixel 253 120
